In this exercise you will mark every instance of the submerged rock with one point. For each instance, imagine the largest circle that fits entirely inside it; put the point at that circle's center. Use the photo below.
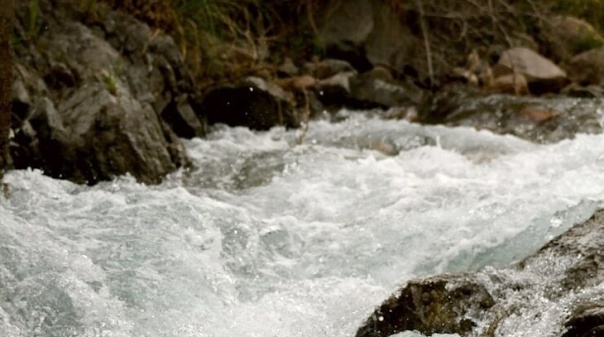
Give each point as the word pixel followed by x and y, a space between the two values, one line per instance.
pixel 561 284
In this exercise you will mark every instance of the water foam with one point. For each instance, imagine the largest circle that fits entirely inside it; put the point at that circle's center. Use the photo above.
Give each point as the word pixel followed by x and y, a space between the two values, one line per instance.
pixel 265 238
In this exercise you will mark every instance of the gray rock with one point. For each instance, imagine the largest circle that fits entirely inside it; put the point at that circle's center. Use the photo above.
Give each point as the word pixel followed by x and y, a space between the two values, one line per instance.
pixel 328 68
pixel 378 87
pixel 101 137
pixel 110 82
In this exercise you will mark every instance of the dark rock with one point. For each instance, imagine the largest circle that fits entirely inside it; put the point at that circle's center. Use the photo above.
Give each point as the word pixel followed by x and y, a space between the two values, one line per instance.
pixel 21 102
pixel 440 305
pixel 252 102
pixel 564 276
pixel 345 29
pixel 99 136
pixel 534 119
pixel 111 81
pixel 182 119
pixel 378 88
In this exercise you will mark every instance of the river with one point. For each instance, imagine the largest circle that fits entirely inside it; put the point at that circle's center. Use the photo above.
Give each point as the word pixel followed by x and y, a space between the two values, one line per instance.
pixel 266 238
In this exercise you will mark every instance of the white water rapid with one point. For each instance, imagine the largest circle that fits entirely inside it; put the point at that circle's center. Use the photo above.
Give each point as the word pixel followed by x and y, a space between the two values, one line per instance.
pixel 266 238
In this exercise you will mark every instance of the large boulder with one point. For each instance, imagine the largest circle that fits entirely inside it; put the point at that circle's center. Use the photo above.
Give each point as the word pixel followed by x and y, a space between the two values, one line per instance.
pixel 541 74
pixel 94 135
pixel 90 95
pixel 252 102
pixel 560 286
pixel 566 36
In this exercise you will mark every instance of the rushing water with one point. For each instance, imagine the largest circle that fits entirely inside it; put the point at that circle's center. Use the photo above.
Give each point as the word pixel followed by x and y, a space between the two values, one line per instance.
pixel 266 238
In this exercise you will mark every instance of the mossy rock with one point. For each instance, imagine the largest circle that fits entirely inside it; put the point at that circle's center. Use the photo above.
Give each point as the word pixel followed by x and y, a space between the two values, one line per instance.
pixel 567 36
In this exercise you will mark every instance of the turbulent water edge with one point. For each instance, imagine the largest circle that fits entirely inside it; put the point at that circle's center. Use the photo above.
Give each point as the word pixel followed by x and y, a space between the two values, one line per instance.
pixel 265 238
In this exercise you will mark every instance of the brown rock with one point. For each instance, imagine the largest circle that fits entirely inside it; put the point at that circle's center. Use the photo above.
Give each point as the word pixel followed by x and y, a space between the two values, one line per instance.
pixel 587 68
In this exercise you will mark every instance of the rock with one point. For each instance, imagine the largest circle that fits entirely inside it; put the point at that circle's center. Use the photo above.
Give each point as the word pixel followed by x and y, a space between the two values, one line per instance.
pixel 344 29
pixel 586 321
pixel 567 36
pixel 534 119
pixel 378 88
pixel 511 84
pixel 334 92
pixel 288 68
pixel 328 68
pixel 443 304
pixel 97 136
pixel 21 102
pixel 541 74
pixel 587 68
pixel 251 102
pixel 181 117
pixel 124 76
pixel 564 276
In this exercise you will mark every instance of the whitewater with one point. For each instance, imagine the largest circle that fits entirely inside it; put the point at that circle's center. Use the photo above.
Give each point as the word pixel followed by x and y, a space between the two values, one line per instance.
pixel 264 237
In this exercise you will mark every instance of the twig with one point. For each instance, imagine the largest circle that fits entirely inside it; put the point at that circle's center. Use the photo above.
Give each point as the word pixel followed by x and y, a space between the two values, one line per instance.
pixel 422 23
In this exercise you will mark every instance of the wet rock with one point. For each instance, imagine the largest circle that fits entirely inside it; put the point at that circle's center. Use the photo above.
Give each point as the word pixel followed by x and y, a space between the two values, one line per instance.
pixel 531 118
pixel 587 68
pixel 547 285
pixel 251 102
pixel 541 74
pixel 586 321
pixel 444 304
pixel 182 119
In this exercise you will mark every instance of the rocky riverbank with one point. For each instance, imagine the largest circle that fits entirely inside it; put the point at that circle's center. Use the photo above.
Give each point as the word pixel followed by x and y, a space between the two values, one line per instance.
pixel 101 94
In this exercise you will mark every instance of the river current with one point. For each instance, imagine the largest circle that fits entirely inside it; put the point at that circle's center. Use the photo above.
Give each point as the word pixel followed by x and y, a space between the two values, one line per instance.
pixel 267 238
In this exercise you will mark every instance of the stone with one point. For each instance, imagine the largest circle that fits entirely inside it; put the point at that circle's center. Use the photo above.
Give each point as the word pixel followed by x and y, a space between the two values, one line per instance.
pixel 378 88
pixel 181 117
pixel 564 276
pixel 99 136
pixel 98 90
pixel 567 36
pixel 252 102
pixel 530 118
pixel 327 68
pixel 541 74
pixel 443 304
pixel 587 68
